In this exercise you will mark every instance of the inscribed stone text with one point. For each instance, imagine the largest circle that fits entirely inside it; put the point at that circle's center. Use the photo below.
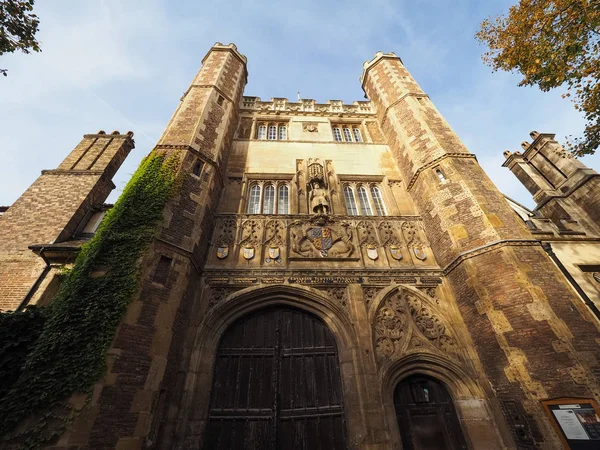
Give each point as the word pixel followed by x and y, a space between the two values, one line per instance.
pixel 383 280
pixel 273 280
pixel 431 280
pixel 405 280
pixel 245 280
pixel 325 280
pixel 217 280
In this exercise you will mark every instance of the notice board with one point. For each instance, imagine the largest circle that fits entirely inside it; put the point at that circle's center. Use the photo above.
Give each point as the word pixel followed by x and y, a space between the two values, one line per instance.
pixel 577 422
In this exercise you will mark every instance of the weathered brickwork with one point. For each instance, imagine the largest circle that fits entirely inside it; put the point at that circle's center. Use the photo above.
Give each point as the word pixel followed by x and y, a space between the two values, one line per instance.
pixel 52 210
pixel 129 407
pixel 429 272
pixel 514 302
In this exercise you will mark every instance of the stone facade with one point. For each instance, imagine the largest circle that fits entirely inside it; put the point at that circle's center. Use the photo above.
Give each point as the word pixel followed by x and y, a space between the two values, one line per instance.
pixel 372 216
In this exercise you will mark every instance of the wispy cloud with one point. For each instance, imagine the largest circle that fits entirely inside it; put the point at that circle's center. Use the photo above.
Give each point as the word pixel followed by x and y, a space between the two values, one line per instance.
pixel 114 64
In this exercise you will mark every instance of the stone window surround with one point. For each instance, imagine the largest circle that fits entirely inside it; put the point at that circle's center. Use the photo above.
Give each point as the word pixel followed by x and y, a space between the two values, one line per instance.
pixel 268 126
pixel 354 183
pixel 347 132
pixel 264 180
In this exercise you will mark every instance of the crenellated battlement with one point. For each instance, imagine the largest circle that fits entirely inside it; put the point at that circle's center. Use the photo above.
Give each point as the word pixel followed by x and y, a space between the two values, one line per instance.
pixel 308 106
pixel 370 63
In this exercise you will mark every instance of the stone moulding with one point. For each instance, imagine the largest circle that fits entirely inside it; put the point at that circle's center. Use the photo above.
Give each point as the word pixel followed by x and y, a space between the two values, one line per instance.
pixel 488 248
pixel 436 161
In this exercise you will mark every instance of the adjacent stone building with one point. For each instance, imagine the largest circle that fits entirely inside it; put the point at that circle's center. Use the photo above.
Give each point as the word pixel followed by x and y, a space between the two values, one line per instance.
pixel 331 276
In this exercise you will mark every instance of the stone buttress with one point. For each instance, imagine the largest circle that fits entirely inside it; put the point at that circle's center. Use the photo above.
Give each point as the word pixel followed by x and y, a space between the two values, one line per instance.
pixel 128 404
pixel 534 336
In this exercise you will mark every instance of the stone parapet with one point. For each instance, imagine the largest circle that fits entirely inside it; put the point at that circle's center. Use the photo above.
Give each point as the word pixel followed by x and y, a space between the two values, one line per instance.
pixel 306 106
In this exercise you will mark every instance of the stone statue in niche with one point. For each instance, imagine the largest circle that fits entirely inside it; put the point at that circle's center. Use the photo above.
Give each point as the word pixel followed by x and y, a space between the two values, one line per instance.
pixel 319 196
pixel 319 203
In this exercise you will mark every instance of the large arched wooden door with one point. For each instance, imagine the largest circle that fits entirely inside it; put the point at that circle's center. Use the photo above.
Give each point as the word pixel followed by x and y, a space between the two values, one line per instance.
pixel 276 385
pixel 426 415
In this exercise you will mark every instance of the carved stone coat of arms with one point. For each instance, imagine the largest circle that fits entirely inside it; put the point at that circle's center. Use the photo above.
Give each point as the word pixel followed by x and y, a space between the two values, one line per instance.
pixel 321 238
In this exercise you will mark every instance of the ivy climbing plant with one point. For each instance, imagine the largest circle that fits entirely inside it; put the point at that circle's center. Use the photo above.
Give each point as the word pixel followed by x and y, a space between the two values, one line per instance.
pixel 19 332
pixel 69 355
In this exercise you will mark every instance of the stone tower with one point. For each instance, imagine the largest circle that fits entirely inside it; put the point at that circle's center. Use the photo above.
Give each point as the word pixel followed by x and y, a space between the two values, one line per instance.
pixel 520 311
pixel 201 131
pixel 345 276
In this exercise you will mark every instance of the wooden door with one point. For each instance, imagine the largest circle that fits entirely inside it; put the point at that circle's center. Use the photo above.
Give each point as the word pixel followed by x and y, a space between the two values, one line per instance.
pixel 276 385
pixel 426 416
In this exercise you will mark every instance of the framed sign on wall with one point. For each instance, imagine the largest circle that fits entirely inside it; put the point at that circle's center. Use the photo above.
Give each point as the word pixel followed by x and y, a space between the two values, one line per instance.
pixel 576 420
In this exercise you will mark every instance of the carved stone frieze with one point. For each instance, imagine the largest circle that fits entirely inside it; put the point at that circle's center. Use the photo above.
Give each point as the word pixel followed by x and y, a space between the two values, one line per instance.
pixel 388 233
pixel 370 292
pixel 409 230
pixel 391 325
pixel 225 232
pixel 275 233
pixel 430 291
pixel 311 127
pixel 405 319
pixel 366 233
pixel 217 294
pixel 339 295
pixel 274 240
pixel 251 232
pixel 278 105
pixel 414 243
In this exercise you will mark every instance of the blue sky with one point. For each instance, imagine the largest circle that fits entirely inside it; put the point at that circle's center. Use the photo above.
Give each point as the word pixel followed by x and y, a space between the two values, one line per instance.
pixel 124 64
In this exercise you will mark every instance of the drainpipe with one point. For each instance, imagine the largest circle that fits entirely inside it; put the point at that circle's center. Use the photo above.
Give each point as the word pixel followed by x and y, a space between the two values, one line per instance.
pixel 590 304
pixel 36 285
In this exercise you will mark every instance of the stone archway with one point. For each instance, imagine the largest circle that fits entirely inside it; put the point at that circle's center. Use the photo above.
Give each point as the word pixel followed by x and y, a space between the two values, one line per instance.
pixel 190 420
pixel 276 385
pixel 477 420
pixel 413 337
pixel 426 415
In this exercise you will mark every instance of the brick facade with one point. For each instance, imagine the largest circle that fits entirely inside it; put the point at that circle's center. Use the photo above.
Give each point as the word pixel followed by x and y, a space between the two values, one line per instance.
pixel 53 209
pixel 433 273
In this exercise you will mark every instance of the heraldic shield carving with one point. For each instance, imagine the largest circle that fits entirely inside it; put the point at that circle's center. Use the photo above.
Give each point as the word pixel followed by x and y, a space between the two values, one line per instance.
pixel 321 237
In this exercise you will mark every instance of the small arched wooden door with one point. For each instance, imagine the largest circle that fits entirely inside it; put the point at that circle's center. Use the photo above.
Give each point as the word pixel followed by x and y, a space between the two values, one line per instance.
pixel 426 415
pixel 276 385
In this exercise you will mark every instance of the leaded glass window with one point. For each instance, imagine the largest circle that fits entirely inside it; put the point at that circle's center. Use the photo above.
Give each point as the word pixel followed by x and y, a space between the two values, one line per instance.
pixel 337 134
pixel 350 202
pixel 347 135
pixel 282 133
pixel 254 200
pixel 262 132
pixel 363 198
pixel 269 200
pixel 378 200
pixel 283 202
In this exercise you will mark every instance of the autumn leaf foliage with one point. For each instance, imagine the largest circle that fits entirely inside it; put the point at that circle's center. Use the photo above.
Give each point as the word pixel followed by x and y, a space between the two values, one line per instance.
pixel 18 26
pixel 552 43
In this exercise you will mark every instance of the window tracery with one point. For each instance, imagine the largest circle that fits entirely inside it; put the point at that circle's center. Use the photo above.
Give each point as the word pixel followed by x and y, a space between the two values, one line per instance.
pixel 268 197
pixel 368 197
pixel 272 131
pixel 347 133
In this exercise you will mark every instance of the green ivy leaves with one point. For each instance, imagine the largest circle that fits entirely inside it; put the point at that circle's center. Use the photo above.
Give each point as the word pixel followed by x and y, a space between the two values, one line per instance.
pixel 69 355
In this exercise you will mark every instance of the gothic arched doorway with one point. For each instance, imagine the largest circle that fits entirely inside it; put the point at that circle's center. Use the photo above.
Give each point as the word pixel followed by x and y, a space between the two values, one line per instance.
pixel 426 415
pixel 276 385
